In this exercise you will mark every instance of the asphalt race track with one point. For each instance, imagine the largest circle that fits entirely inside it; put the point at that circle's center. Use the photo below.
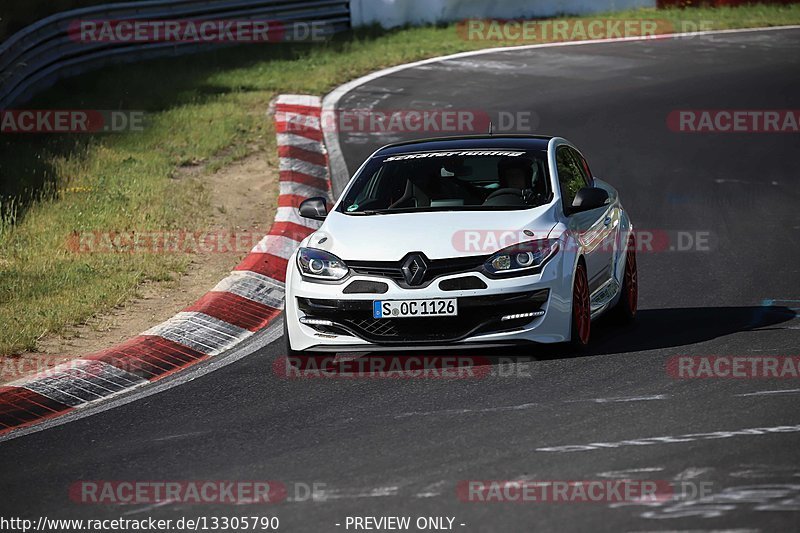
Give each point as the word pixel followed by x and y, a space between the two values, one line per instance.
pixel 400 447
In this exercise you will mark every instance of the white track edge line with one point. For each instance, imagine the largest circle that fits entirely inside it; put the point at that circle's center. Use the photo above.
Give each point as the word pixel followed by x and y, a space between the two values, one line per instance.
pixel 338 166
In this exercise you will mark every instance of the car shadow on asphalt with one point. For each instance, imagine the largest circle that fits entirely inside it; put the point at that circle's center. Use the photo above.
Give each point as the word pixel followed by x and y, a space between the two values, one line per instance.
pixel 653 329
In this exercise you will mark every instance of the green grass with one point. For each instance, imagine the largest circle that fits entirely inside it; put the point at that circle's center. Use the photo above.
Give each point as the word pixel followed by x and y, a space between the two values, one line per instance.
pixel 206 107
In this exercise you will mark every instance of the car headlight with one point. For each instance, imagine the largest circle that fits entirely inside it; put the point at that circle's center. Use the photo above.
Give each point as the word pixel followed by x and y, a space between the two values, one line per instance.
pixel 522 257
pixel 318 264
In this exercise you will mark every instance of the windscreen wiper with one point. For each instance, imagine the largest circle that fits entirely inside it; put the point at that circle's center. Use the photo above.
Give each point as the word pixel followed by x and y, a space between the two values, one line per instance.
pixel 370 212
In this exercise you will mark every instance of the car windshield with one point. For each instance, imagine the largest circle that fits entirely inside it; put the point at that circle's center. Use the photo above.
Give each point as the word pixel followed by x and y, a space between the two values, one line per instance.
pixel 450 181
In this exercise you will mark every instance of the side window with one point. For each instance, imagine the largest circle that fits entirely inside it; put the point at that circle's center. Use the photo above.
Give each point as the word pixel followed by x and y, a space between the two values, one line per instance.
pixel 584 167
pixel 571 175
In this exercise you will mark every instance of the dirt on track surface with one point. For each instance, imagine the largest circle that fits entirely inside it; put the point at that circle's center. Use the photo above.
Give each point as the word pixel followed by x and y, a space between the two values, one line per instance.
pixel 243 198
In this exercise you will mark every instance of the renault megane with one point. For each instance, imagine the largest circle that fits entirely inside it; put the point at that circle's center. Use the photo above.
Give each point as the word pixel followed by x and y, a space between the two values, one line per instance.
pixel 462 242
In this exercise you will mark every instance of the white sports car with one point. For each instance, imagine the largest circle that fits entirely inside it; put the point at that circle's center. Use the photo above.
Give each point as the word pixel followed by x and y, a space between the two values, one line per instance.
pixel 462 242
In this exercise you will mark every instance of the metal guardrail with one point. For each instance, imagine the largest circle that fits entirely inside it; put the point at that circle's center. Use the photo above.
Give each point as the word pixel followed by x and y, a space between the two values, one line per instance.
pixel 39 55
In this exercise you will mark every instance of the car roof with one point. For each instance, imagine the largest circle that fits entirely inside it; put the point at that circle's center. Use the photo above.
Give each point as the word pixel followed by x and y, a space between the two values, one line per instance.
pixel 470 142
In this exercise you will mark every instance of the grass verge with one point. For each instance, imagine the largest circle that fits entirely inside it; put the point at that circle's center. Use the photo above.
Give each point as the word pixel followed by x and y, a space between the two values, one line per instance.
pixel 200 109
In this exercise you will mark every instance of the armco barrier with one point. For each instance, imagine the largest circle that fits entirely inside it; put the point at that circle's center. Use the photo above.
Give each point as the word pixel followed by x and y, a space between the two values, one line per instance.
pixel 37 56
pixel 239 306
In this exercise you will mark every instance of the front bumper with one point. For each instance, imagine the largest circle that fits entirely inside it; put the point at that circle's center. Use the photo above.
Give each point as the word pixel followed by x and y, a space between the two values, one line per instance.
pixel 342 320
pixel 476 315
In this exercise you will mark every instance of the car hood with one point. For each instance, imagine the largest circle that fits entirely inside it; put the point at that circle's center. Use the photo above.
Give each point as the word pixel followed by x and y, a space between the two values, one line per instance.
pixel 438 235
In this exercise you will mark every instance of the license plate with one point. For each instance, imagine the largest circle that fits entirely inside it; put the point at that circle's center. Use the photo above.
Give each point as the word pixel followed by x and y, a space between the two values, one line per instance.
pixel 414 308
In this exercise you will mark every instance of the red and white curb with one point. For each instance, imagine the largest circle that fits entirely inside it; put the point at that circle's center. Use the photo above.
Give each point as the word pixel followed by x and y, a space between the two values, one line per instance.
pixel 240 305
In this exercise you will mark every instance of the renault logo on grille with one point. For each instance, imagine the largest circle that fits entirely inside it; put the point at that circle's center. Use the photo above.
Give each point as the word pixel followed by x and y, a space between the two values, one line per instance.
pixel 414 268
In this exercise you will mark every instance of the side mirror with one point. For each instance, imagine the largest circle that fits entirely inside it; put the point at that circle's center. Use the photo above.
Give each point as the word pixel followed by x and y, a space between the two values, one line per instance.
pixel 589 198
pixel 314 208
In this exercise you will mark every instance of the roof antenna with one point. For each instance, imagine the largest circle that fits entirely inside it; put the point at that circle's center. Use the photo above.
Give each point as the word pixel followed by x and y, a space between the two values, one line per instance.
pixel 491 128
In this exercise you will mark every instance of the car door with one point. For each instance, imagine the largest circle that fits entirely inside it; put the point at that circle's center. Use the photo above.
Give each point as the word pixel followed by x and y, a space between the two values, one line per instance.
pixel 592 229
pixel 609 249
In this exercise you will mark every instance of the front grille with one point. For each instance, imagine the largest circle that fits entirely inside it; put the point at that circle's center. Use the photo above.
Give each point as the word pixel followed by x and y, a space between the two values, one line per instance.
pixel 381 270
pixel 380 328
pixel 476 314
pixel 436 269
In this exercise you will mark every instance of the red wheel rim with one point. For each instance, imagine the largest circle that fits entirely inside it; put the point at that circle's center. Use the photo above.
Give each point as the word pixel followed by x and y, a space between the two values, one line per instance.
pixel 631 279
pixel 581 312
